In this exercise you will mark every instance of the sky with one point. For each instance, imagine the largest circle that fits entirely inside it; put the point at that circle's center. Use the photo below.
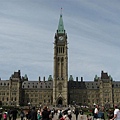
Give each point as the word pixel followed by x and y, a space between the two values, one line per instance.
pixel 28 27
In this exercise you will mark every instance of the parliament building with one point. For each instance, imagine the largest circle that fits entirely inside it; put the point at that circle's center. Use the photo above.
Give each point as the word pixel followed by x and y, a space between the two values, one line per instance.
pixel 59 88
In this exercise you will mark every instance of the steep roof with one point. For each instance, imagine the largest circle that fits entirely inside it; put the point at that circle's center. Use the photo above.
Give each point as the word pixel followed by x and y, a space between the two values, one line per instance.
pixel 61 25
pixel 37 84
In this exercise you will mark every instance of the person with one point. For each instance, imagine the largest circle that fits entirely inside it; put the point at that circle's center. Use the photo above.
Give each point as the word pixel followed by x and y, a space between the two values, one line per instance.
pixel 10 114
pixel 28 114
pixel 76 112
pixel 89 117
pixel 110 114
pixel 33 114
pixel 64 117
pixel 45 113
pixel 14 113
pixel 4 116
pixel 65 112
pixel 0 113
pixel 60 114
pixel 116 113
pixel 96 110
pixel 81 112
pixel 101 113
pixel 39 116
pixel 69 114
pixel 22 114
pixel 52 112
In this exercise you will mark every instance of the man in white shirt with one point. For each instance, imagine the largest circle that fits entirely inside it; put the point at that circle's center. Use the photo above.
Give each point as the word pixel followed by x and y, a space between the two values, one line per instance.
pixel 116 113
pixel 96 112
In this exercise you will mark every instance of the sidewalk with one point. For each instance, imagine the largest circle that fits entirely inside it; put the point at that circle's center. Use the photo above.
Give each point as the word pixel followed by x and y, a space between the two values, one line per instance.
pixel 80 117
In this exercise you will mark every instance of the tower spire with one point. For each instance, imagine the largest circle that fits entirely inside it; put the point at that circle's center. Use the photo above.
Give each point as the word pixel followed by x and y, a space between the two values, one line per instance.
pixel 61 25
pixel 61 11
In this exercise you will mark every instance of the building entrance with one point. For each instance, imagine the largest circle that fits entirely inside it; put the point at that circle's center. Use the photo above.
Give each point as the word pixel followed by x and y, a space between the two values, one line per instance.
pixel 60 101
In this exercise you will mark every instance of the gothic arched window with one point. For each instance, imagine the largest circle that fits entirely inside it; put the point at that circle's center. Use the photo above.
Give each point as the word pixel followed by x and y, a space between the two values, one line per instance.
pixel 62 59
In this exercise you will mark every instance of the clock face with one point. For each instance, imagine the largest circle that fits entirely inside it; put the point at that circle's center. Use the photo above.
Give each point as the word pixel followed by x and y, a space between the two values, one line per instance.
pixel 61 37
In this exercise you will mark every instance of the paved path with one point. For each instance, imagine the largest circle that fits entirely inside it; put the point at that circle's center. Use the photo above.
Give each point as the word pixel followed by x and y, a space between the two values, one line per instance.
pixel 80 117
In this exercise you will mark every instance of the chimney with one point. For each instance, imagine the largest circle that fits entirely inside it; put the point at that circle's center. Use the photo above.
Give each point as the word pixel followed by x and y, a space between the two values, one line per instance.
pixel 76 78
pixel 81 79
pixel 39 78
pixel 44 78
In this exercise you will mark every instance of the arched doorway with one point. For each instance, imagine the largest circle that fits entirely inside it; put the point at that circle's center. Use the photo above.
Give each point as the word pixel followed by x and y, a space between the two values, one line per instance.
pixel 59 101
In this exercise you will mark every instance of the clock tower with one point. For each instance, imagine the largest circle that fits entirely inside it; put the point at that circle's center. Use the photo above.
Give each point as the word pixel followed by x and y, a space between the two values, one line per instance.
pixel 60 77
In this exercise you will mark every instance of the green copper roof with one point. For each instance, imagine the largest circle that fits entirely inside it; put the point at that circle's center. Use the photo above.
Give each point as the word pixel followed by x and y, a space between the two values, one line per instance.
pixel 96 78
pixel 71 78
pixel 25 77
pixel 50 77
pixel 60 26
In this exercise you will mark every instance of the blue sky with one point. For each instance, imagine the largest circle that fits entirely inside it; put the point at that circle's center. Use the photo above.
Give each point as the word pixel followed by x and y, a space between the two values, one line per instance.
pixel 27 29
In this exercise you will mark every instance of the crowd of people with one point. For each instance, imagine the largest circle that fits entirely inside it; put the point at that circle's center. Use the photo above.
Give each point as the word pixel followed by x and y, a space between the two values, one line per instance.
pixel 48 114
pixel 39 114
pixel 10 114
pixel 112 114
pixel 98 113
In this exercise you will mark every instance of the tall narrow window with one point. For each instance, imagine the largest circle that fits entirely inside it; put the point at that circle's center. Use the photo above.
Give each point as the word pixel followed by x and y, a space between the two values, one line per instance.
pixel 60 87
pixel 62 59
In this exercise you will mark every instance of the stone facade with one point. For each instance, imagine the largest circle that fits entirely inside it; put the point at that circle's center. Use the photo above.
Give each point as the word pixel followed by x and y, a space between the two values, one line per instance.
pixel 102 90
pixel 59 89
pixel 60 78
pixel 20 91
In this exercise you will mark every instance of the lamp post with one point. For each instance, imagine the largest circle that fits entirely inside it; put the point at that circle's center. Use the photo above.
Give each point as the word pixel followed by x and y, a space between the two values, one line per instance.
pixel 29 105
